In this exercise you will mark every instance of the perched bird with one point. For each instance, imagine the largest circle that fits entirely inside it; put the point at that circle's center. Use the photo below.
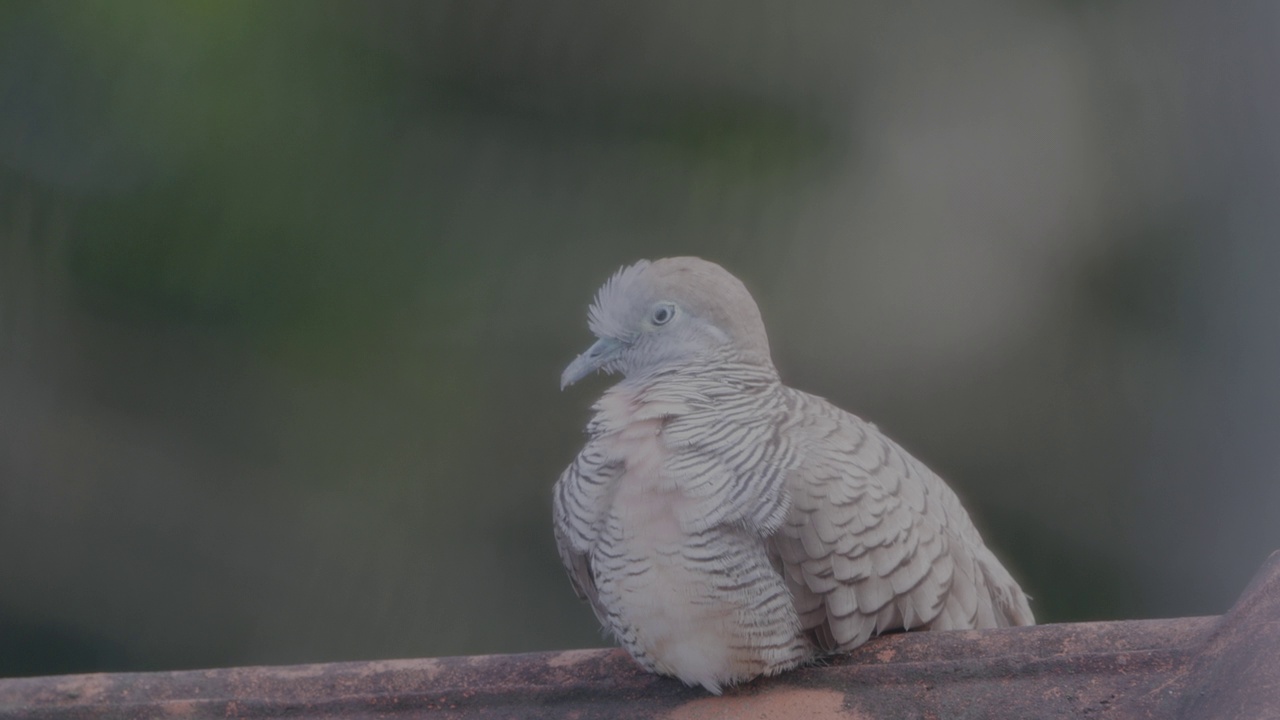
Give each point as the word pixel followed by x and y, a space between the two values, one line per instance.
pixel 724 526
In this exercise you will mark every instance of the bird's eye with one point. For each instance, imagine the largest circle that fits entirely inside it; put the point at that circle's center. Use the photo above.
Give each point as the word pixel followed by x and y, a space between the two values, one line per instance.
pixel 663 314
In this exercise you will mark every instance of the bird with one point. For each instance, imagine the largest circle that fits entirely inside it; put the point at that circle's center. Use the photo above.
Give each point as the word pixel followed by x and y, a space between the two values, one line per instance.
pixel 724 526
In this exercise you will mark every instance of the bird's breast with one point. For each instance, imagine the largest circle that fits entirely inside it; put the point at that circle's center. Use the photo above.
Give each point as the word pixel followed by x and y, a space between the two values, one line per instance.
pixel 692 602
pixel 646 502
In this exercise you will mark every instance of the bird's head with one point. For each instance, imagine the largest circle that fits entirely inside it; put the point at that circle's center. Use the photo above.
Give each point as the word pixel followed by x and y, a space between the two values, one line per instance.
pixel 669 313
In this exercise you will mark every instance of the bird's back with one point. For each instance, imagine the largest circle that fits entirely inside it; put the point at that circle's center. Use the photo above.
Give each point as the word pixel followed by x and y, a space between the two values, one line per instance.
pixel 874 541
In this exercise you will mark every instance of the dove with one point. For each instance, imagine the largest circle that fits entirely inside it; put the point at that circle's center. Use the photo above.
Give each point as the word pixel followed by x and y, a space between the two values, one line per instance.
pixel 724 526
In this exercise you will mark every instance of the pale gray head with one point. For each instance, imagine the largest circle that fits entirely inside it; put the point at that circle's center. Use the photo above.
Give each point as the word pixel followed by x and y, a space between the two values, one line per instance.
pixel 671 312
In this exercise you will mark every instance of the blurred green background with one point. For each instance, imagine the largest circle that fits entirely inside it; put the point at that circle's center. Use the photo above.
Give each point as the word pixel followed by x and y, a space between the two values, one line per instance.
pixel 286 288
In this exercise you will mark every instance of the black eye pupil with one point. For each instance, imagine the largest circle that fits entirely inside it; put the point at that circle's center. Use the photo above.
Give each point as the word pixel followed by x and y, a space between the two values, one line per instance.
pixel 661 315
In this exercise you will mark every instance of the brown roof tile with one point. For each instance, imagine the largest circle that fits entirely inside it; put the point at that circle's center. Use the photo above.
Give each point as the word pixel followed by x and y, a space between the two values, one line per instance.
pixel 1190 668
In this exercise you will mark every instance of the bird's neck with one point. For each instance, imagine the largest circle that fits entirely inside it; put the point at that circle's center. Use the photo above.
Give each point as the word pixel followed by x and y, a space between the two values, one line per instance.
pixel 678 390
pixel 725 371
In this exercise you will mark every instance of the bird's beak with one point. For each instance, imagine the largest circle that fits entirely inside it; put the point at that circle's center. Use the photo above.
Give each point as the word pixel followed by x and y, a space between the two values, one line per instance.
pixel 603 352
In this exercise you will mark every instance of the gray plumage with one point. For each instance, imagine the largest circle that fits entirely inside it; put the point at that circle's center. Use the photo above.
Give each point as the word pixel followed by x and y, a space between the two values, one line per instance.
pixel 724 526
